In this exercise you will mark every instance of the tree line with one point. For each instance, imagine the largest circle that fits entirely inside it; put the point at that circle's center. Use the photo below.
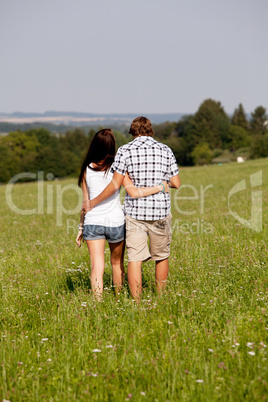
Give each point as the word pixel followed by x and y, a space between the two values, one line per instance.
pixel 211 136
pixel 208 136
pixel 39 150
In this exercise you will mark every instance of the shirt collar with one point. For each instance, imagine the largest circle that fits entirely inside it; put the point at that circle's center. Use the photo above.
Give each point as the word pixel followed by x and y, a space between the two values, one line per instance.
pixel 144 138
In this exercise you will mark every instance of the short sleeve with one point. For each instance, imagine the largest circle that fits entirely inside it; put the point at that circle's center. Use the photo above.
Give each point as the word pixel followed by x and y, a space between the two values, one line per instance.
pixel 173 165
pixel 119 164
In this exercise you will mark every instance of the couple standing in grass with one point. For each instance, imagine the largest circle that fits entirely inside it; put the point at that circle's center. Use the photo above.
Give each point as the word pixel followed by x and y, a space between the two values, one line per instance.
pixel 146 168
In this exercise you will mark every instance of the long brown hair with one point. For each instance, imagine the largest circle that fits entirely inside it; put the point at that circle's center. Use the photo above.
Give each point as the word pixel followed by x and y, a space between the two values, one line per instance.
pixel 101 149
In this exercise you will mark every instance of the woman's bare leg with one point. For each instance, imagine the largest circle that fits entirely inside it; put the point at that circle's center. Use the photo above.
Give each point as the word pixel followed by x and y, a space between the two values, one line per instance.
pixel 117 261
pixel 96 252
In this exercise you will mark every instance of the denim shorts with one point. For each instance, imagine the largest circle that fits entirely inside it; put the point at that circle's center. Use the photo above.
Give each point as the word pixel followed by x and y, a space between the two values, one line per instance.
pixel 111 234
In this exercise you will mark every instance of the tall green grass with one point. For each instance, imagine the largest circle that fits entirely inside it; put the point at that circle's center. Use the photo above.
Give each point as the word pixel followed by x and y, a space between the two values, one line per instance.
pixel 204 339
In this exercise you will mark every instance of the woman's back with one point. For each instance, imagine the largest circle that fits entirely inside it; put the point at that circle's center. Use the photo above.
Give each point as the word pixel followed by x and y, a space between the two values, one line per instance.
pixel 108 212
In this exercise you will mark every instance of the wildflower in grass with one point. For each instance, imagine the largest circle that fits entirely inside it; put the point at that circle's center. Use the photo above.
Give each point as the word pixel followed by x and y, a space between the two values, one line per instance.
pixel 44 339
pixel 200 381
pixel 96 350
pixel 250 344
pixel 143 393
pixel 49 360
pixel 170 322
pixel 129 396
pixel 251 353
pixel 211 350
pixel 109 346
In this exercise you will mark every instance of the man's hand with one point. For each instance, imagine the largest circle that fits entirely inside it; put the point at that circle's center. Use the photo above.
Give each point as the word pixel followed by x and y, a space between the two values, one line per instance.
pixel 87 206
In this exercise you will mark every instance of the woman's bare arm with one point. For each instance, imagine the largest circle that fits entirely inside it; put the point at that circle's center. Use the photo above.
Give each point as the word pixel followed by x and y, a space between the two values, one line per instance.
pixel 79 236
pixel 138 192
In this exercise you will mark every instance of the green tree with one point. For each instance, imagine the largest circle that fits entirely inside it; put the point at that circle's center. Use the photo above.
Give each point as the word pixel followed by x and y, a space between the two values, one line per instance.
pixel 24 147
pixel 91 135
pixel 120 138
pixel 211 125
pixel 185 141
pixel 239 118
pixel 75 141
pixel 257 122
pixel 164 130
pixel 259 146
pixel 238 137
pixel 42 134
pixel 21 143
pixel 9 163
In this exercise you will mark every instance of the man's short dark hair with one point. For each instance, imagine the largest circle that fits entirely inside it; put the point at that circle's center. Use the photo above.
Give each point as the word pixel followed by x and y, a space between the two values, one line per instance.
pixel 141 126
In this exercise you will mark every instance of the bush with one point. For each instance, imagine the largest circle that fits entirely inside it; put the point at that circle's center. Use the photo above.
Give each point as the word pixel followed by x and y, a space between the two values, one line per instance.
pixel 224 157
pixel 202 154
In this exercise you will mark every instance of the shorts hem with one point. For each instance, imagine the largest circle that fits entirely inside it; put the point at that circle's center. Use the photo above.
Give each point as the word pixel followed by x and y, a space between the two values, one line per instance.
pixel 116 241
pixel 94 238
pixel 160 259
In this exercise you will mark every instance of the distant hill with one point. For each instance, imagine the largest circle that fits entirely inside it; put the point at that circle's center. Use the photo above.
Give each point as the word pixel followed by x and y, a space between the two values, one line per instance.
pixel 82 119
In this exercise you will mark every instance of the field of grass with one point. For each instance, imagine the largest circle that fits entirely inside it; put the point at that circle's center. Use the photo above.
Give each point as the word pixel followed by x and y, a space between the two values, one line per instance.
pixel 204 339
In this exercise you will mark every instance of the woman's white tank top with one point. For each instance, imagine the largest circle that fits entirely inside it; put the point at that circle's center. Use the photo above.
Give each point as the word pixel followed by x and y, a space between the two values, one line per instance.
pixel 108 213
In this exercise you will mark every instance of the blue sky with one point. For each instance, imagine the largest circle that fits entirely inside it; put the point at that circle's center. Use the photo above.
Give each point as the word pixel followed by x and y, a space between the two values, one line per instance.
pixel 132 56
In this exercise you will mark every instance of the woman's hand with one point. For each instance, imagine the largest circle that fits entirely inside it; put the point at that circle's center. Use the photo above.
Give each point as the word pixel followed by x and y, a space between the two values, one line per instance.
pixel 167 189
pixel 79 237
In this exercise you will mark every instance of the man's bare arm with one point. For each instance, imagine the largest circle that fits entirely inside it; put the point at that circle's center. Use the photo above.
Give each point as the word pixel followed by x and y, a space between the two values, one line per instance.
pixel 175 181
pixel 112 187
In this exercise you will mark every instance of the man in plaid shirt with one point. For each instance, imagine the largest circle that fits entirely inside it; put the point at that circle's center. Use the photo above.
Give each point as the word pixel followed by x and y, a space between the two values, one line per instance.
pixel 148 163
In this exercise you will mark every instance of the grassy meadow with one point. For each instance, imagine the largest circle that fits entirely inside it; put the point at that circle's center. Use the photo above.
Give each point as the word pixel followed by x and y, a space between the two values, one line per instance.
pixel 204 339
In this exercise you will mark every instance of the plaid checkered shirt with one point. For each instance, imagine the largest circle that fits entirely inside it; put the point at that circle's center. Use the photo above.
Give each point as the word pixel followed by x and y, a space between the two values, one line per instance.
pixel 148 163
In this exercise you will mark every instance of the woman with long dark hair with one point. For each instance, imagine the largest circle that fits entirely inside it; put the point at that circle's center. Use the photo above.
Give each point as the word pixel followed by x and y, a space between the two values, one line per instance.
pixel 106 221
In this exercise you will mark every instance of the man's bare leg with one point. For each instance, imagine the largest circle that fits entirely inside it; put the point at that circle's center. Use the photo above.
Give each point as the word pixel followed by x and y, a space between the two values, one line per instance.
pixel 135 279
pixel 161 274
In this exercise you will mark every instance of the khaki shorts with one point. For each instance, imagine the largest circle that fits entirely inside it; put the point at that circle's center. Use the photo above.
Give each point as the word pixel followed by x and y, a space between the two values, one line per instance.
pixel 137 233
